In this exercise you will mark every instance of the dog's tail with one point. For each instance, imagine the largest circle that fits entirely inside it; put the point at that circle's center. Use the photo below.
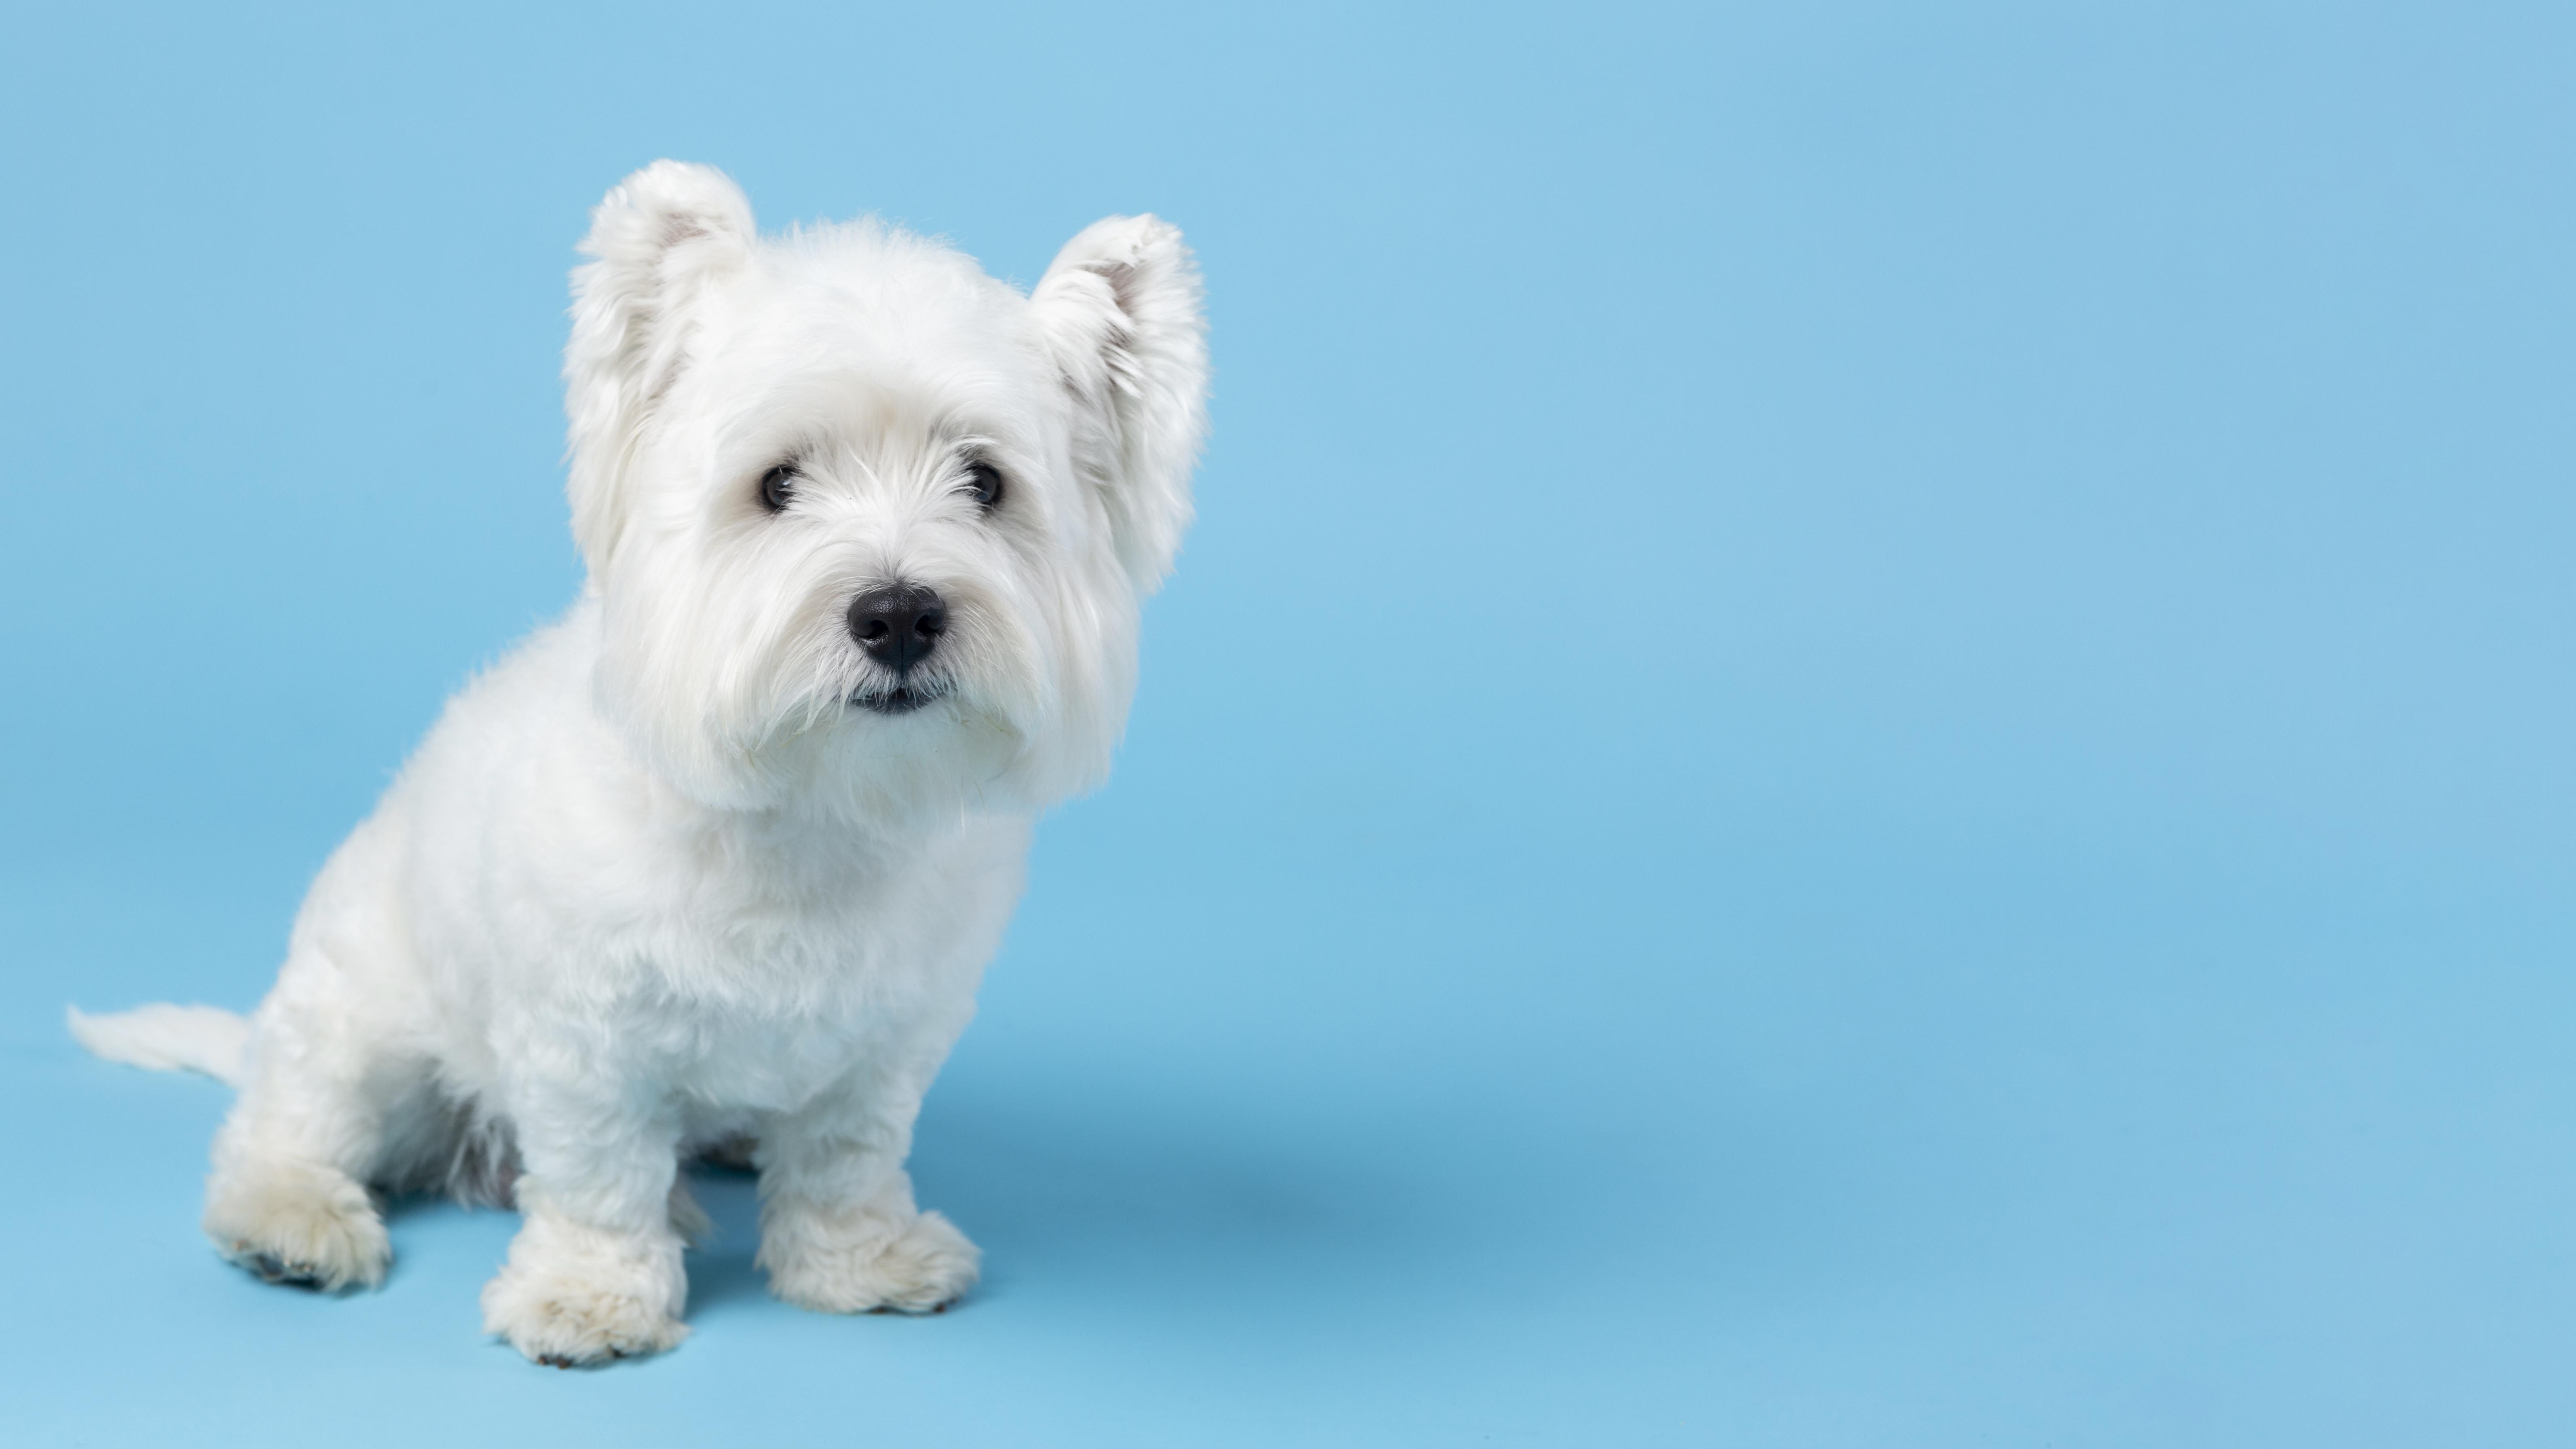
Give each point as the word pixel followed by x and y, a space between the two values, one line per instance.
pixel 167 1038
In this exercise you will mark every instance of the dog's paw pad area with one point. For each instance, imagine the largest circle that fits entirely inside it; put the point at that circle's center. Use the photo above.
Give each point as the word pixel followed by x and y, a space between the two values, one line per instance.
pixel 567 1361
pixel 270 1268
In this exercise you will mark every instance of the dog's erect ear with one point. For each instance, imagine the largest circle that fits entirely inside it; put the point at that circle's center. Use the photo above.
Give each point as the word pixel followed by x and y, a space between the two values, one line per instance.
pixel 1121 311
pixel 657 240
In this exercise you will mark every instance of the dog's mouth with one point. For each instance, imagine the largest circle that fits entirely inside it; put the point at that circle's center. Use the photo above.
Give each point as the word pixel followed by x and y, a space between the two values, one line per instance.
pixel 903 698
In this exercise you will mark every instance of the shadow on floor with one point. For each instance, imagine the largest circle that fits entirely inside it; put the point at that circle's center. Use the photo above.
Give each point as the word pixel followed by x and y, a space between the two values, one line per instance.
pixel 1142 1195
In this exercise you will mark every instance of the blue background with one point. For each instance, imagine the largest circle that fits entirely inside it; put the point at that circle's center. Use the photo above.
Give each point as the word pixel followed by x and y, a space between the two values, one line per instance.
pixel 1866 742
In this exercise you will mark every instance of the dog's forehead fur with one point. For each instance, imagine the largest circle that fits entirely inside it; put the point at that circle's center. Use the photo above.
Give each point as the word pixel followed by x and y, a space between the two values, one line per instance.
pixel 875 319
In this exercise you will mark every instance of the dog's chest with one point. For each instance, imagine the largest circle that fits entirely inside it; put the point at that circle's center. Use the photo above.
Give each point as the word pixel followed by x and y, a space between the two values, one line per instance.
pixel 761 990
pixel 767 1019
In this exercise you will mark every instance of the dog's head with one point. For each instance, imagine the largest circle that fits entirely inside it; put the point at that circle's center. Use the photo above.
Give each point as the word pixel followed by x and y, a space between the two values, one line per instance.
pixel 867 528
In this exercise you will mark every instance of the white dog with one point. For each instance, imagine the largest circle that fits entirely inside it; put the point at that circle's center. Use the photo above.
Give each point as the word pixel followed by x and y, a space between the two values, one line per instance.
pixel 715 862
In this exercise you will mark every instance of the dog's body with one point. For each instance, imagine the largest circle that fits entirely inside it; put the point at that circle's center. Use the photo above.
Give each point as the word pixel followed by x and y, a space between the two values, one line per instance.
pixel 718 859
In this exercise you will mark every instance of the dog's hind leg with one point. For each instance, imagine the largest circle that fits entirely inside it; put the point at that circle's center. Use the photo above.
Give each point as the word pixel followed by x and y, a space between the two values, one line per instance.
pixel 288 1197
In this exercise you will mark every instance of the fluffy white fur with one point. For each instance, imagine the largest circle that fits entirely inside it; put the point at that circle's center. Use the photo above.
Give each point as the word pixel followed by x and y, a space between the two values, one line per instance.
pixel 658 883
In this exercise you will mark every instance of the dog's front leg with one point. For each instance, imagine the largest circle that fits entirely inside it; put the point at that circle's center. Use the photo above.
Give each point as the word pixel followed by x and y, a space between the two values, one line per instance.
pixel 839 1232
pixel 595 1271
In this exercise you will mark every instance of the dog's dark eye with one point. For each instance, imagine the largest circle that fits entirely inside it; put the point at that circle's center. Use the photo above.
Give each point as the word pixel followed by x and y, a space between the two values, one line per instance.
pixel 984 484
pixel 777 486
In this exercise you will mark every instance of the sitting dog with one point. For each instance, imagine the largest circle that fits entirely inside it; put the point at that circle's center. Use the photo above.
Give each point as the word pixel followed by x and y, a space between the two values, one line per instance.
pixel 714 863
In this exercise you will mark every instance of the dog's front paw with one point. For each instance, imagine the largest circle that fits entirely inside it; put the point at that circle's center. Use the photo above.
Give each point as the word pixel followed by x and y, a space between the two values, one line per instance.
pixel 298 1222
pixel 563 1319
pixel 577 1294
pixel 865 1263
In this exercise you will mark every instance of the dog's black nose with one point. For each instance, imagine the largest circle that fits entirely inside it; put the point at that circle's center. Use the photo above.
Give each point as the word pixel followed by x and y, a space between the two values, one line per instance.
pixel 899 624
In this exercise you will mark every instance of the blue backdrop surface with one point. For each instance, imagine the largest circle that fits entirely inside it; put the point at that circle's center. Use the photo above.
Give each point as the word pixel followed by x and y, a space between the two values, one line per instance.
pixel 1866 742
